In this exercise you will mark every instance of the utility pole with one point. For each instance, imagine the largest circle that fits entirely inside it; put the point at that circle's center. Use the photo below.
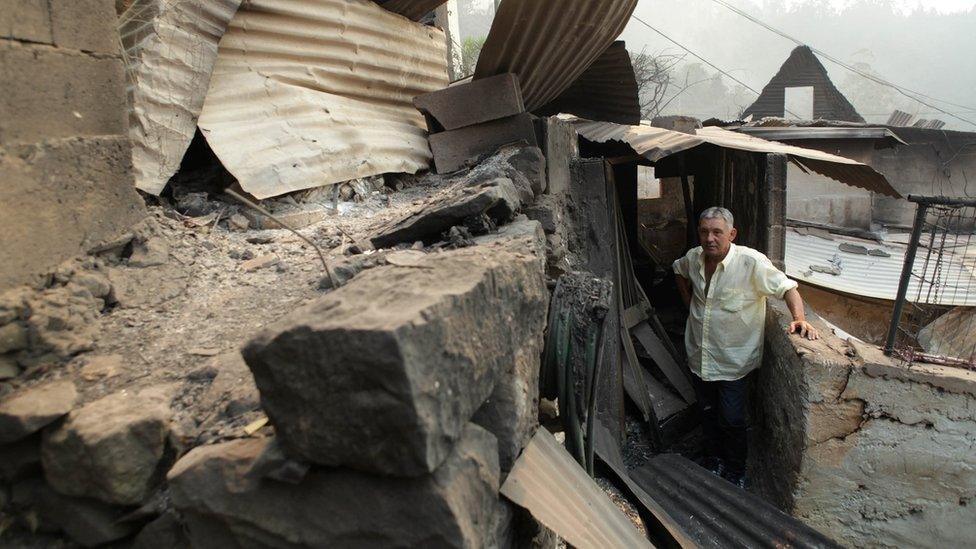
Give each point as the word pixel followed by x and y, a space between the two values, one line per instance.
pixel 448 19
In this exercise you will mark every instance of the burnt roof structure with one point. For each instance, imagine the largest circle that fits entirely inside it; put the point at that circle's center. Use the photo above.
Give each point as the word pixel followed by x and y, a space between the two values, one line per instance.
pixel 802 69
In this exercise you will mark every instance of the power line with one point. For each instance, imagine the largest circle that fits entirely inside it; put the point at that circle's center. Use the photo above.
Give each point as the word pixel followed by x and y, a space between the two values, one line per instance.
pixel 703 60
pixel 904 91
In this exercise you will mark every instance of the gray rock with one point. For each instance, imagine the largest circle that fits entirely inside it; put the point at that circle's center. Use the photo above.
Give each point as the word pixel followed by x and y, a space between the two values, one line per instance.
pixel 150 253
pixel 87 522
pixel 110 449
pixel 8 368
pixel 497 197
pixel 166 532
pixel 13 337
pixel 21 459
pixel 530 162
pixel 511 412
pixel 453 507
pixel 382 374
pixel 27 411
pixel 97 284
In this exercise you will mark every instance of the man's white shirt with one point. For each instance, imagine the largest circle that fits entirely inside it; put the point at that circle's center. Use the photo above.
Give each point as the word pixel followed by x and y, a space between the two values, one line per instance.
pixel 724 334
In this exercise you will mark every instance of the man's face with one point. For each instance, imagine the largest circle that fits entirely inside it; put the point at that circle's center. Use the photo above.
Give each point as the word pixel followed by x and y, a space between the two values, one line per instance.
pixel 716 237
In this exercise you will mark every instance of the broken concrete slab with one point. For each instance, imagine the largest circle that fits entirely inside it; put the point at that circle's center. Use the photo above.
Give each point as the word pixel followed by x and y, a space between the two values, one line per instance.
pixel 471 103
pixel 453 507
pixel 110 449
pixel 497 197
pixel 456 149
pixel 28 410
pixel 351 379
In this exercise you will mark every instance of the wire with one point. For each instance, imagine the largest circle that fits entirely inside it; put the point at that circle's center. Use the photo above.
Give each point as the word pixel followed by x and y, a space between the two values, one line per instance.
pixel 703 60
pixel 904 91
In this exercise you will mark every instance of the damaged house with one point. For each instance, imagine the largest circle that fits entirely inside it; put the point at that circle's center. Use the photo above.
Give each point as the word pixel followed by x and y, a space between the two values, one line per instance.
pixel 269 278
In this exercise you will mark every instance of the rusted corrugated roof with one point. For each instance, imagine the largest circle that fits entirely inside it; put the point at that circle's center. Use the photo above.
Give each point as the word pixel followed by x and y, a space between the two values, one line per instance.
pixel 877 276
pixel 607 91
pixel 549 44
pixel 657 143
pixel 307 93
pixel 170 50
pixel 899 118
pixel 882 137
pixel 714 513
pixel 411 9
pixel 549 483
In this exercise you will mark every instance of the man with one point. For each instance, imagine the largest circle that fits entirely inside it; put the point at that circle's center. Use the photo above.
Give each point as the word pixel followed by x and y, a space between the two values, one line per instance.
pixel 726 286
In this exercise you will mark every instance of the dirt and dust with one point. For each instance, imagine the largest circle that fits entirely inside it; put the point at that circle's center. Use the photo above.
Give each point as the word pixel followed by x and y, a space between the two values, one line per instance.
pixel 172 303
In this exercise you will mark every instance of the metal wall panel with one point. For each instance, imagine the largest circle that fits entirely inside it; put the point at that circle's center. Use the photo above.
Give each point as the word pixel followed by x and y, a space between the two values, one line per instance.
pixel 170 47
pixel 656 143
pixel 308 93
pixel 549 43
pixel 411 9
pixel 548 482
pixel 607 91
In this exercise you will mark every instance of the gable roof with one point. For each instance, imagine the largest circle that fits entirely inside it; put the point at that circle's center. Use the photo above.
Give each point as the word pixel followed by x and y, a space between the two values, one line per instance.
pixel 803 68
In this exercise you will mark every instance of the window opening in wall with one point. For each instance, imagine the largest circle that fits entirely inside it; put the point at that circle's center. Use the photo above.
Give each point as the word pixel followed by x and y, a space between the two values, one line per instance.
pixel 648 185
pixel 798 103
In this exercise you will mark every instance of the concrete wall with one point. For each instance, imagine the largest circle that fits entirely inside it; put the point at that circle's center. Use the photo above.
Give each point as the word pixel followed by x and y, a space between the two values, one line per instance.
pixel 65 157
pixel 935 162
pixel 865 450
pixel 863 317
pixel 818 199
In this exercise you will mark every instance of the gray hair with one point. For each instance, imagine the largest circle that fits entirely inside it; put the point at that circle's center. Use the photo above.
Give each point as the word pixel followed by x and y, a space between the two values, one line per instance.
pixel 718 212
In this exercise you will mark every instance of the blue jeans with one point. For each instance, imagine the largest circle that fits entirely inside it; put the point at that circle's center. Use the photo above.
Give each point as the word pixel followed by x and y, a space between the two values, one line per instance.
pixel 723 406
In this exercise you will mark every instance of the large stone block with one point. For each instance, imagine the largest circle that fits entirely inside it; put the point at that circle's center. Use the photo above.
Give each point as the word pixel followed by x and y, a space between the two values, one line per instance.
pixel 453 507
pixel 511 413
pixel 382 374
pixel 49 93
pixel 28 410
pixel 87 25
pixel 456 149
pixel 471 103
pixel 58 199
pixel 28 20
pixel 110 449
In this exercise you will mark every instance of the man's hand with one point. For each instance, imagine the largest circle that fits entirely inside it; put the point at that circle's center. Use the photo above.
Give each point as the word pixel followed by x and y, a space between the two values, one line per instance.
pixel 804 329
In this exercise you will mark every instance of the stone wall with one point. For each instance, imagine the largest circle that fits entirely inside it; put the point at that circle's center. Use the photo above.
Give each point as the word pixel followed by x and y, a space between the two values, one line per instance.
pixel 863 449
pixel 64 148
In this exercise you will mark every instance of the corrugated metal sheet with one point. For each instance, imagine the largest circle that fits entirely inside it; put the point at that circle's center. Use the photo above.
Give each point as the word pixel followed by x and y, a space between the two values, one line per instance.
pixel 549 44
pixel 899 118
pixel 802 68
pixel 607 91
pixel 556 490
pixel 657 143
pixel 307 93
pixel 883 137
pixel 713 513
pixel 170 47
pixel 411 9
pixel 878 277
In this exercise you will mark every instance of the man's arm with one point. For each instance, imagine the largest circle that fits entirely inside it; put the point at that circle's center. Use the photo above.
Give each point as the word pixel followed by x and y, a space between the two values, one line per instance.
pixel 799 325
pixel 684 288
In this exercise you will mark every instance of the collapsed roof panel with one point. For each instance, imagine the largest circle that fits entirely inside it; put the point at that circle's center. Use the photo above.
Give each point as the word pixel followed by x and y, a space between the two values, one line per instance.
pixel 308 93
pixel 549 44
pixel 411 9
pixel 606 91
pixel 657 143
pixel 170 50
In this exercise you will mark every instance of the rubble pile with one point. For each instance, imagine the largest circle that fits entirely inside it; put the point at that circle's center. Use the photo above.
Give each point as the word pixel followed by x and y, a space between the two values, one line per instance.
pixel 147 401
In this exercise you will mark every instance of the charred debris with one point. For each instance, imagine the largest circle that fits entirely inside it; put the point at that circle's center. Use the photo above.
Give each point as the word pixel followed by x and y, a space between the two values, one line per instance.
pixel 354 303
